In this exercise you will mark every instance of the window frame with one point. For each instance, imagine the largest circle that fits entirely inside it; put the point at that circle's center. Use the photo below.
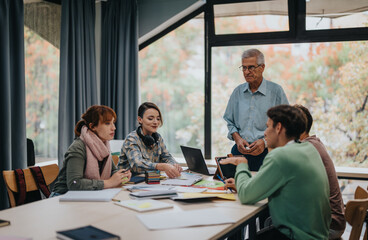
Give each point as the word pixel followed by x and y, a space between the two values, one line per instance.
pixel 297 34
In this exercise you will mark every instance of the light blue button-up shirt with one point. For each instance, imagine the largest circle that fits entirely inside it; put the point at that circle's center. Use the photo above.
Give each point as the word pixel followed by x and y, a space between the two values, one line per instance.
pixel 246 112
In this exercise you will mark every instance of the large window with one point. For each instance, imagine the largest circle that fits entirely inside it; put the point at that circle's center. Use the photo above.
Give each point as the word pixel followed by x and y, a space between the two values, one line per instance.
pixel 42 91
pixel 172 76
pixel 251 17
pixel 325 71
pixel 336 14
pixel 328 78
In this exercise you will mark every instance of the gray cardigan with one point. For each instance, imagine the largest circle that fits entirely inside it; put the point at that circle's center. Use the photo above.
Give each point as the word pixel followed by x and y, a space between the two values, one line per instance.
pixel 71 175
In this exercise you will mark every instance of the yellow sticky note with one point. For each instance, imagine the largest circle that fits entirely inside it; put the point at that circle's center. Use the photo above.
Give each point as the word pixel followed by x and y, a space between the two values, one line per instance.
pixel 145 205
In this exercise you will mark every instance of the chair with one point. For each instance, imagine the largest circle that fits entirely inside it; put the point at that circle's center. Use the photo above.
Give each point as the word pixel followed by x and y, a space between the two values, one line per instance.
pixel 361 193
pixel 115 158
pixel 115 147
pixel 355 213
pixel 50 173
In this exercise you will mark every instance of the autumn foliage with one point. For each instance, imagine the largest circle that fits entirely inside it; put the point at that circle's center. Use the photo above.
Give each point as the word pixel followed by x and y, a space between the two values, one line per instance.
pixel 331 79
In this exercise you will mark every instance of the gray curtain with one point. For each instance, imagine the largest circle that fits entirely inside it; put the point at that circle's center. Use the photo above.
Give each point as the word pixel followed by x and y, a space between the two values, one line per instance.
pixel 77 87
pixel 13 146
pixel 119 62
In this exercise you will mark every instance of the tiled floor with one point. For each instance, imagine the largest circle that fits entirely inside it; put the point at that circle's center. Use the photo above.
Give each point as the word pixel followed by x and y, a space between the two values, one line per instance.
pixel 346 234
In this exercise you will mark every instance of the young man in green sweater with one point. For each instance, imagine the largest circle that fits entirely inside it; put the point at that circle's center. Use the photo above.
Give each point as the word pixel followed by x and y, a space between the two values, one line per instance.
pixel 292 177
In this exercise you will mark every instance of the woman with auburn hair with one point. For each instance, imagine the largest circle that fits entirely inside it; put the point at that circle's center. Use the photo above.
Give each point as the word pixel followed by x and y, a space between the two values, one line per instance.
pixel 144 148
pixel 88 164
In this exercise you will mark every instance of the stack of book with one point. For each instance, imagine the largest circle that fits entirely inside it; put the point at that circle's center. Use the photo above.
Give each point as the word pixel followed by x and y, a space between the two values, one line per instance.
pixel 153 177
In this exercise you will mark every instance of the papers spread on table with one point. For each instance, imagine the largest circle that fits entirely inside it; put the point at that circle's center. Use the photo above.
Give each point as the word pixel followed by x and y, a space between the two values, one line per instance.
pixel 181 189
pixel 167 220
pixel 210 184
pixel 104 195
pixel 226 196
pixel 148 187
pixel 86 233
pixel 144 205
pixel 186 179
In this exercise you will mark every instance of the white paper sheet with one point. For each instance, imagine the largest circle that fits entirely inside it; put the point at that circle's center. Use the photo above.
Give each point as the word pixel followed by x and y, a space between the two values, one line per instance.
pixel 144 205
pixel 166 220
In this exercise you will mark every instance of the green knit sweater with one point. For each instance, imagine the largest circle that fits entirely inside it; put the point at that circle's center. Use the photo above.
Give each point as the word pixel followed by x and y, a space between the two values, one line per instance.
pixel 294 180
pixel 71 175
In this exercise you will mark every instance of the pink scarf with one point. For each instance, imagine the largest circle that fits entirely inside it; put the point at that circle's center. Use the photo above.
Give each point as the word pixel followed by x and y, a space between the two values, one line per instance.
pixel 96 151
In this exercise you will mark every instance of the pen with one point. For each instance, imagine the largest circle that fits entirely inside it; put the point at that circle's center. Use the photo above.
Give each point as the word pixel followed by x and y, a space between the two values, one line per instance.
pixel 115 200
pixel 224 182
pixel 220 178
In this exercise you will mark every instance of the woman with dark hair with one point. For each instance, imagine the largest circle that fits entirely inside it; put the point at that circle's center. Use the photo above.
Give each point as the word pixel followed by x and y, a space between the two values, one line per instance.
pixel 144 148
pixel 88 164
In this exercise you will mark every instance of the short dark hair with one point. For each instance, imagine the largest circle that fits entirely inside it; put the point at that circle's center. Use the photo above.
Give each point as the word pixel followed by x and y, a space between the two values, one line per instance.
pixel 147 105
pixel 308 116
pixel 290 118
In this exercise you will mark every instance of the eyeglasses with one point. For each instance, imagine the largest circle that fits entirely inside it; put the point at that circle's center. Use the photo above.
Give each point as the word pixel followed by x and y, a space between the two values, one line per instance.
pixel 250 68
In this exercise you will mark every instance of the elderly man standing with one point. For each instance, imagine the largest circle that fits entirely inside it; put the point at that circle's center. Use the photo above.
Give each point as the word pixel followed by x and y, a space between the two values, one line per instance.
pixel 246 110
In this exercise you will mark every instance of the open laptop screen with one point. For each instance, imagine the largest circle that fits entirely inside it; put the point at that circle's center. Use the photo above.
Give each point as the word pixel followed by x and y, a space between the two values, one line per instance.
pixel 195 160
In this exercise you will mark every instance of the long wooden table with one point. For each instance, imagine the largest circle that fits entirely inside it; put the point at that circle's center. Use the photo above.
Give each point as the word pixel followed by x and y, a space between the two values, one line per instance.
pixel 41 220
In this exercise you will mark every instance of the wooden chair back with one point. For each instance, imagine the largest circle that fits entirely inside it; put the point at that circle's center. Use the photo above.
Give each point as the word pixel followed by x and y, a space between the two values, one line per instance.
pixel 115 158
pixel 50 173
pixel 356 211
pixel 361 193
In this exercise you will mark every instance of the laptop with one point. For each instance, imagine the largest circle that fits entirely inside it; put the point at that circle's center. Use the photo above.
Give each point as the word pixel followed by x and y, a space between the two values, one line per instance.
pixel 195 161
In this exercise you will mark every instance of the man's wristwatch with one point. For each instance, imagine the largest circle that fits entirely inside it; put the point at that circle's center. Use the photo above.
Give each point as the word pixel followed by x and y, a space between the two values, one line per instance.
pixel 265 142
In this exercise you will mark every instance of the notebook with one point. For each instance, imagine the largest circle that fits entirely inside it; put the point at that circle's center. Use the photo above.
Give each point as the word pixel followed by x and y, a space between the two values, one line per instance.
pixel 153 194
pixel 195 160
pixel 144 205
pixel 104 195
